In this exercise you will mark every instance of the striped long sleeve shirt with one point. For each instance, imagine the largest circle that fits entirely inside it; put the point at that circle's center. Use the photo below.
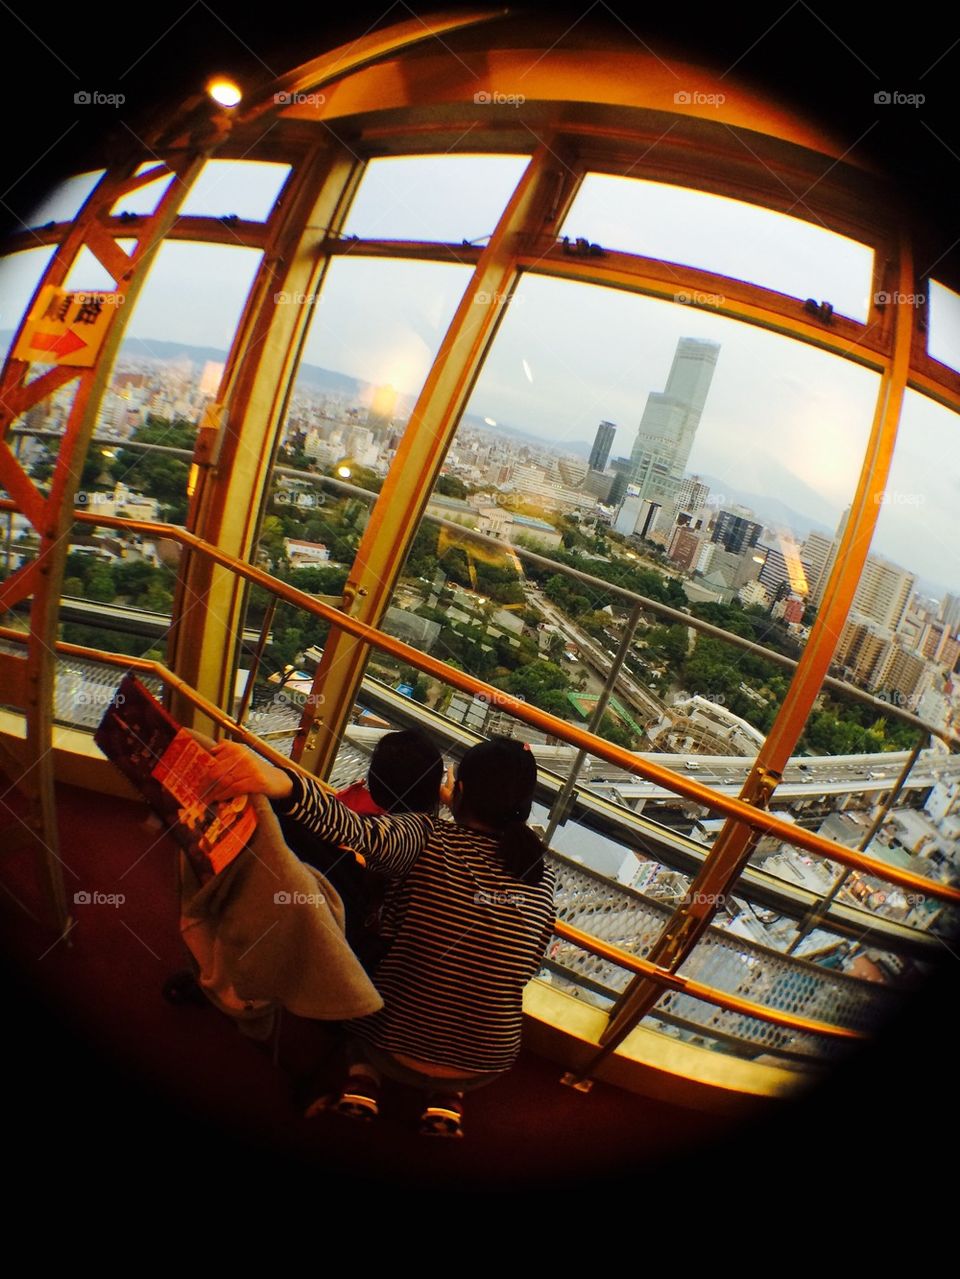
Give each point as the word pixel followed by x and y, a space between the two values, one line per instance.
pixel 468 936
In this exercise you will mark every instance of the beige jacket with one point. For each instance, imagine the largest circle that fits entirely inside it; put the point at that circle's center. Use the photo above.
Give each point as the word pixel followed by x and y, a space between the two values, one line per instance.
pixel 268 932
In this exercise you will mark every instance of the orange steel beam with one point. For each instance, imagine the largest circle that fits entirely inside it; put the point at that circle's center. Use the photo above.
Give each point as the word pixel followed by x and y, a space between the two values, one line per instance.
pixel 679 784
pixel 52 514
pixel 255 388
pixel 737 840
pixel 538 200
pixel 352 57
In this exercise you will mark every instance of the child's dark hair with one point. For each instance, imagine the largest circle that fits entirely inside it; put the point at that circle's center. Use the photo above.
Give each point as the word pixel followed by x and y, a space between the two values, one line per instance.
pixel 499 777
pixel 405 773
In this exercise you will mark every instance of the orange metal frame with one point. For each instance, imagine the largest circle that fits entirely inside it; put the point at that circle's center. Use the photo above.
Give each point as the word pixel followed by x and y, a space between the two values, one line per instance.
pixel 366 83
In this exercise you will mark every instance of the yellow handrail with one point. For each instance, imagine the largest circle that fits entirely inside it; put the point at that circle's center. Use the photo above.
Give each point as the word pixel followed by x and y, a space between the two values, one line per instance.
pixel 758 818
pixel 709 995
pixel 670 981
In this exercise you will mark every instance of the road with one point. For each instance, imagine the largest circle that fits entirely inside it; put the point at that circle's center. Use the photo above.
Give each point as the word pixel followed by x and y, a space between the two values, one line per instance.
pixel 596 657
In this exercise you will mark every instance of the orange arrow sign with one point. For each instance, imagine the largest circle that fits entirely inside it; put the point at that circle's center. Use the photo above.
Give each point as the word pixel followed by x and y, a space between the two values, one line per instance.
pixel 60 344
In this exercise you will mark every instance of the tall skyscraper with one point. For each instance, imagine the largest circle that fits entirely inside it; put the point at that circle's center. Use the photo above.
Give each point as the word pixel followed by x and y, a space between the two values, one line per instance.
pixel 670 420
pixel 818 554
pixel 600 452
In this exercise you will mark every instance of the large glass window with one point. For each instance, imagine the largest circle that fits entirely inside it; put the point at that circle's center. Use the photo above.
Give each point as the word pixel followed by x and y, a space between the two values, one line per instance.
pixel 65 201
pixel 242 188
pixel 726 236
pixel 679 455
pixel 429 197
pixel 119 589
pixel 943 338
pixel 20 273
pixel 376 330
pixel 900 643
pixel 716 447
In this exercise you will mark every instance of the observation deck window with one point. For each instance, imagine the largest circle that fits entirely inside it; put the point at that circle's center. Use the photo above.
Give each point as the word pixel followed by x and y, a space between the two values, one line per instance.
pixel 726 236
pixel 447 198
pixel 65 200
pixel 246 188
pixel 943 338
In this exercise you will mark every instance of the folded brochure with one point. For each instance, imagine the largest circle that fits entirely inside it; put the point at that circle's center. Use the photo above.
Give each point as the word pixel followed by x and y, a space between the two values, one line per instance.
pixel 174 773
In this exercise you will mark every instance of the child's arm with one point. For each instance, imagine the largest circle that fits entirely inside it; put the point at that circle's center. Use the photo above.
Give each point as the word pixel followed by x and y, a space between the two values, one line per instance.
pixel 391 844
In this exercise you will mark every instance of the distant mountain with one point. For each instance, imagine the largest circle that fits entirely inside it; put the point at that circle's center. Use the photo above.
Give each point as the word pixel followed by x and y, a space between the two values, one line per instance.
pixel 577 447
pixel 313 375
pixel 321 379
pixel 773 511
pixel 169 352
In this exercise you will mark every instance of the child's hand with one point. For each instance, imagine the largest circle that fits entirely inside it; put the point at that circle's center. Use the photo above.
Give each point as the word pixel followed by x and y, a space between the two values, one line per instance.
pixel 237 770
pixel 446 787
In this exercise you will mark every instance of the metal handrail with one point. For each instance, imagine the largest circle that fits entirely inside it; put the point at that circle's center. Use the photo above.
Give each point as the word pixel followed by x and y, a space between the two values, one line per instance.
pixel 594 945
pixel 757 818
pixel 163 673
pixel 687 986
pixel 626 596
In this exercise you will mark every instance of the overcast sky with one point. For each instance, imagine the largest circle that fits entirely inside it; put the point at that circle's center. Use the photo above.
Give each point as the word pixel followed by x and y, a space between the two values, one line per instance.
pixel 781 418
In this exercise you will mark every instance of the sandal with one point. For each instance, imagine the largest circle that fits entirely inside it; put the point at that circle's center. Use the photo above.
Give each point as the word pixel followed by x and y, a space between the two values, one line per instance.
pixel 443 1116
pixel 358 1099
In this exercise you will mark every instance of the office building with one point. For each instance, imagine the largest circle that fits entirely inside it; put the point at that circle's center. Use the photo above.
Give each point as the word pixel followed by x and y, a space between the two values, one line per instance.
pixel 735 533
pixel 600 453
pixel 670 420
pixel 884 591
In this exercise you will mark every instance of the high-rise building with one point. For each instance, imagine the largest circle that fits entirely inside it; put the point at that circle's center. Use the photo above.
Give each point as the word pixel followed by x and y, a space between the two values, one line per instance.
pixel 754 593
pixel 600 484
pixel 883 592
pixel 931 640
pixel 782 566
pixel 692 493
pixel 670 420
pixel 735 533
pixel 901 672
pixel 572 470
pixel 818 553
pixel 600 453
pixel 617 489
pixel 637 515
pixel 684 547
pixel 950 612
pixel 863 649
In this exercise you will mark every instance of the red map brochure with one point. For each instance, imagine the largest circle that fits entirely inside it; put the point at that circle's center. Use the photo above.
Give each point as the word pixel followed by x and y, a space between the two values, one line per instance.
pixel 173 773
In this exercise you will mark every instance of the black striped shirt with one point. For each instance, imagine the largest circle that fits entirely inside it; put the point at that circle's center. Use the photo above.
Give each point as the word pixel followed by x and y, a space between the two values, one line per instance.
pixel 467 935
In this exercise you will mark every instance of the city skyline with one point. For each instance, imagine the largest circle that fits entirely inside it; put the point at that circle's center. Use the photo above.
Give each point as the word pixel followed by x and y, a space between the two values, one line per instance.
pixel 783 419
